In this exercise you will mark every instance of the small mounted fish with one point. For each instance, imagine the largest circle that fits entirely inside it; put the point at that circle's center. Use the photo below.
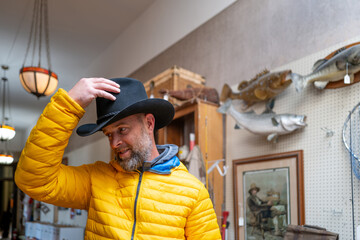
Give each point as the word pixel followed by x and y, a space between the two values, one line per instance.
pixel 342 62
pixel 205 93
pixel 269 124
pixel 264 86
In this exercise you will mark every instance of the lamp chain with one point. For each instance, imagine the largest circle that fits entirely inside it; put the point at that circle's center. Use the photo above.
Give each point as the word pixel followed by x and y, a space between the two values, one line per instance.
pixel 8 103
pixel 39 24
pixel 40 29
pixel 3 102
pixel 36 28
pixel 31 33
pixel 47 38
pixel 5 96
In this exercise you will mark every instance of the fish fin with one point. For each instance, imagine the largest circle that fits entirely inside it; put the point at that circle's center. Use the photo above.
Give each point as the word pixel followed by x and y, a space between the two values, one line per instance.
pixel 299 81
pixel 225 93
pixel 272 137
pixel 339 51
pixel 318 63
pixel 340 65
pixel 270 106
pixel 267 111
pixel 237 126
pixel 274 121
pixel 260 74
pixel 260 94
pixel 224 107
pixel 243 85
pixel 320 84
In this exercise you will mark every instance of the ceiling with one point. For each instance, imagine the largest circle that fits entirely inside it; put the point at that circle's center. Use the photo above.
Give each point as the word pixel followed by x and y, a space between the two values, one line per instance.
pixel 79 32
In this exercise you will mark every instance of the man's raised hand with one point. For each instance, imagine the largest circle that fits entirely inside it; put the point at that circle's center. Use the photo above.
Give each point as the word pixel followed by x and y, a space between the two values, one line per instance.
pixel 87 89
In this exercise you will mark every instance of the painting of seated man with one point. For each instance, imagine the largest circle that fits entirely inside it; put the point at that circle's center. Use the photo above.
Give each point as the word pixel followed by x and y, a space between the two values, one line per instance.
pixel 267 203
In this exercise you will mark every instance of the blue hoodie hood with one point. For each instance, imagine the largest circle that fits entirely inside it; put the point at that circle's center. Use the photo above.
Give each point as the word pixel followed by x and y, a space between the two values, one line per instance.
pixel 166 161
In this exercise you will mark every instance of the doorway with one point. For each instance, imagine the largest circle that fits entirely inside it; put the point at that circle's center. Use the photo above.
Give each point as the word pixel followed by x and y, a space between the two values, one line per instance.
pixel 8 203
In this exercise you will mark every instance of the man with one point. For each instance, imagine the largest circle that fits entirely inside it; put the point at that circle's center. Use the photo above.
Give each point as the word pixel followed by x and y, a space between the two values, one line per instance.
pixel 261 210
pixel 145 193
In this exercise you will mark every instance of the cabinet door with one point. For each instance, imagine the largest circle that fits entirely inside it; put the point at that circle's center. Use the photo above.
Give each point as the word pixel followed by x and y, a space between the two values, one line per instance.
pixel 210 124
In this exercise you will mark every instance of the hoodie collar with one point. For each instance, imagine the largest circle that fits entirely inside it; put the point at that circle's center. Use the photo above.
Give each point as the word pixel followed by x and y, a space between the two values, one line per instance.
pixel 166 161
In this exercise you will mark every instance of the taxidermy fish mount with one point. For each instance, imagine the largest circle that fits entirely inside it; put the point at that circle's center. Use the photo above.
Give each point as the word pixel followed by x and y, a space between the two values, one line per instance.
pixel 268 123
pixel 188 94
pixel 263 87
pixel 345 61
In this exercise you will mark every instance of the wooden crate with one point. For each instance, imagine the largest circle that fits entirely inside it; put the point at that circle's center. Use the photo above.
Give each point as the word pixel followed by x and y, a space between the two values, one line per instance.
pixel 174 78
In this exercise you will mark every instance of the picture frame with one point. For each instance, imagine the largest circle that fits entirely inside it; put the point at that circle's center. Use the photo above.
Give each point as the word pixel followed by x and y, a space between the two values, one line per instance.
pixel 268 194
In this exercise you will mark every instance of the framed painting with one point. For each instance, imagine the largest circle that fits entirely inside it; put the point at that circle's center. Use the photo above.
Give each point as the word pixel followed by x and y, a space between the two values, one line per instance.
pixel 268 195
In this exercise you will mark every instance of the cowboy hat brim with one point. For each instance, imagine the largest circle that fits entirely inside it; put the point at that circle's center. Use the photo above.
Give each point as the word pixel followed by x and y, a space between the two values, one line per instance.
pixel 162 110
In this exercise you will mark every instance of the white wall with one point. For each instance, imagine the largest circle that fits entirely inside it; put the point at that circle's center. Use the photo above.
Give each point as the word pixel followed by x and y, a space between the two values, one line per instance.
pixel 159 27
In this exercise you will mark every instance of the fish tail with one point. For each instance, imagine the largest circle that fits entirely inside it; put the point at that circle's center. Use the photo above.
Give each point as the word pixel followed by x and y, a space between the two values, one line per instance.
pixel 299 81
pixel 225 93
pixel 225 107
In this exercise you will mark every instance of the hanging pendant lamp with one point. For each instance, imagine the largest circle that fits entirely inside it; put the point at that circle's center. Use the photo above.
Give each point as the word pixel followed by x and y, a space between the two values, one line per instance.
pixel 7 132
pixel 6 158
pixel 38 80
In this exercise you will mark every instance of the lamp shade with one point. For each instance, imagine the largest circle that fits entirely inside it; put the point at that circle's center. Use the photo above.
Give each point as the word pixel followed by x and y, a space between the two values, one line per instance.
pixel 6 132
pixel 38 81
pixel 6 158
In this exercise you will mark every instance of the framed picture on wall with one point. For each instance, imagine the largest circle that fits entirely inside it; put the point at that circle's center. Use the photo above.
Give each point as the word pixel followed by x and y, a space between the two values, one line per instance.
pixel 269 195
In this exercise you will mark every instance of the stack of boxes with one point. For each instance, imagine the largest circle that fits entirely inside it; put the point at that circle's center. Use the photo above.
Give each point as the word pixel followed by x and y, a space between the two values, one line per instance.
pixel 47 231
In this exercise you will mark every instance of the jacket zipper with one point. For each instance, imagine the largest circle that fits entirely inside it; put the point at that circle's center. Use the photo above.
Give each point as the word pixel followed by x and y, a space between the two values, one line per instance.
pixel 135 205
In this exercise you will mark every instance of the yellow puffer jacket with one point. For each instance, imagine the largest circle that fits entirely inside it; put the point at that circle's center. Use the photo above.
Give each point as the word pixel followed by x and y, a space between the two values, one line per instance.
pixel 164 202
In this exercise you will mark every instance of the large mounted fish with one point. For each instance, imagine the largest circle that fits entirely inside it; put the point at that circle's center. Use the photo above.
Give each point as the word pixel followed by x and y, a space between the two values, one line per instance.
pixel 344 61
pixel 269 124
pixel 264 86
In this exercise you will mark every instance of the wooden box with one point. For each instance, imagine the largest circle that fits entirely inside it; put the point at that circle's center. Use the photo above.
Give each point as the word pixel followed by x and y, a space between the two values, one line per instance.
pixel 174 78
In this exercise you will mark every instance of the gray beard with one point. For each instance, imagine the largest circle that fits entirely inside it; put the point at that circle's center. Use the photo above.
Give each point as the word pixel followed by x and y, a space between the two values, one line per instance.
pixel 141 152
pixel 131 164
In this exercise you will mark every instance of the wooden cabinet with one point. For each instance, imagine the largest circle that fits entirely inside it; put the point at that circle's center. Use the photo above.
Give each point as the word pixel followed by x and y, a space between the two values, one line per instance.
pixel 201 118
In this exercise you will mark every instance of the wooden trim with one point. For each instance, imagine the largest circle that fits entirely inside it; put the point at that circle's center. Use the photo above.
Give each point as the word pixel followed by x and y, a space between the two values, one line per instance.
pixel 180 112
pixel 340 83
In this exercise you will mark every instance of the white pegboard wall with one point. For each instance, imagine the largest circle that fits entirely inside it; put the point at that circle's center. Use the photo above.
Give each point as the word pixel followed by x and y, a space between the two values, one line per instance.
pixel 327 169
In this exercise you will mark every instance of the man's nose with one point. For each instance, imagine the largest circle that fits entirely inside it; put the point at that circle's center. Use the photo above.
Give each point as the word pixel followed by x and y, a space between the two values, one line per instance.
pixel 115 142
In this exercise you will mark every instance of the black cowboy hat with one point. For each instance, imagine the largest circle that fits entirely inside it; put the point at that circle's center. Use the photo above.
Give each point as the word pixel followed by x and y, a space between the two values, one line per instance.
pixel 132 99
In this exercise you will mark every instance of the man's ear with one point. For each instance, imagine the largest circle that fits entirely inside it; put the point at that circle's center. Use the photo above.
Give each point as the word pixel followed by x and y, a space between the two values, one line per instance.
pixel 150 121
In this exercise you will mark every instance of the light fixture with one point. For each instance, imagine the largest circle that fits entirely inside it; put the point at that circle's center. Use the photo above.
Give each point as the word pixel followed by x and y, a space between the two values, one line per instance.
pixel 36 79
pixel 7 132
pixel 5 156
